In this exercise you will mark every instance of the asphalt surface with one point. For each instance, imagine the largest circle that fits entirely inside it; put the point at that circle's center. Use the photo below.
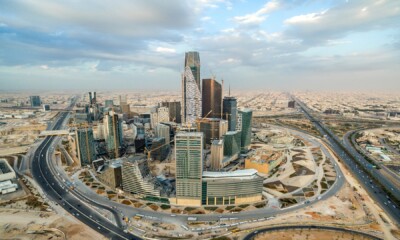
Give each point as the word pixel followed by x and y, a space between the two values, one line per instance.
pixel 74 203
pixel 312 227
pixel 360 168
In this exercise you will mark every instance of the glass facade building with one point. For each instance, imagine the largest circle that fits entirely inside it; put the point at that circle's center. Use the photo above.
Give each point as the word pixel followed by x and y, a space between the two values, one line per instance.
pixel 211 99
pixel 85 145
pixel 229 112
pixel 35 101
pixel 246 120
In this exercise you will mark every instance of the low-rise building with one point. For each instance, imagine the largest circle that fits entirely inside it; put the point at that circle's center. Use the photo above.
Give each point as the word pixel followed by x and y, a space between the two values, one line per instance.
pixel 6 171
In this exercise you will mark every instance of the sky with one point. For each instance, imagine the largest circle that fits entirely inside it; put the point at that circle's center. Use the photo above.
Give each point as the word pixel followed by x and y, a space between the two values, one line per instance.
pixel 250 44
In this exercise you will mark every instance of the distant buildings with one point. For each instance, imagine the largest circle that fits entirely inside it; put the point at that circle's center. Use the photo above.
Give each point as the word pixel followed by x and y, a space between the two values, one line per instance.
pixel 85 145
pixel 109 104
pixel 189 167
pixel 291 104
pixel 46 107
pixel 92 98
pixel 35 101
pixel 229 112
pixel 191 92
pixel 211 99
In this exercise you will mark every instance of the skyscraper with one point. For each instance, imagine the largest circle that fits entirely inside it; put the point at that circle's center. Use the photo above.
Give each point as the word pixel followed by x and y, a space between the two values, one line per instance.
pixel 163 114
pixel 246 118
pixel 230 112
pixel 174 111
pixel 191 94
pixel 123 104
pixel 211 99
pixel 112 133
pixel 189 167
pixel 211 129
pixel 35 101
pixel 92 97
pixel 85 145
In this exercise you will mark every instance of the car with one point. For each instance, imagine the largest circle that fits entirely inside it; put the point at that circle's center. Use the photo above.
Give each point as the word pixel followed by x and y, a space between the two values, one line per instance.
pixel 98 227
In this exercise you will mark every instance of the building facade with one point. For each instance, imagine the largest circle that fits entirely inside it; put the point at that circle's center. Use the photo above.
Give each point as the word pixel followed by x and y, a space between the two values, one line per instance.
pixel 231 188
pixel 135 179
pixel 229 112
pixel 163 114
pixel 174 111
pixel 191 91
pixel 85 145
pixel 245 125
pixel 163 131
pixel 217 154
pixel 35 101
pixel 211 98
pixel 189 167
pixel 232 144
pixel 211 129
pixel 113 133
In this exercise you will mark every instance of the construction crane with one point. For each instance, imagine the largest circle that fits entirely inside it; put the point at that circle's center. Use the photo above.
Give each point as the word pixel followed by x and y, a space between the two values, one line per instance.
pixel 151 150
pixel 199 120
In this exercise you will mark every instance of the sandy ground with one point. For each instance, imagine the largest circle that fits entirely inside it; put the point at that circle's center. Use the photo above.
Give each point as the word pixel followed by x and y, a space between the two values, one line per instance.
pixel 19 224
pixel 310 235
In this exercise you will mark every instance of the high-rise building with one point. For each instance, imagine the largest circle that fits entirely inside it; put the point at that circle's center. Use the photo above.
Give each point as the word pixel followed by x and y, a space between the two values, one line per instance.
pixel 92 97
pixel 112 133
pixel 189 167
pixel 35 101
pixel 223 128
pixel 245 125
pixel 230 112
pixel 232 144
pixel 163 114
pixel 174 111
pixel 217 154
pixel 211 98
pixel 123 104
pixel 191 92
pixel 85 145
pixel 211 129
pixel 135 176
pixel 163 130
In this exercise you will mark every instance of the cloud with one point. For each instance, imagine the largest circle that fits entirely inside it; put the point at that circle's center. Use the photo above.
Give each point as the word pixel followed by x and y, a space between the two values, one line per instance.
pixel 258 16
pixel 165 50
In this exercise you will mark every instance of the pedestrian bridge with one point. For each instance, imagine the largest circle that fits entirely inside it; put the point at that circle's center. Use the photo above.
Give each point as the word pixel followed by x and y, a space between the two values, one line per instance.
pixel 53 133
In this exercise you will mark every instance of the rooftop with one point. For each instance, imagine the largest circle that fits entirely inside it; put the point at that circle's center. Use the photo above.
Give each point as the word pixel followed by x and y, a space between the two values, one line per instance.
pixel 189 134
pixel 237 173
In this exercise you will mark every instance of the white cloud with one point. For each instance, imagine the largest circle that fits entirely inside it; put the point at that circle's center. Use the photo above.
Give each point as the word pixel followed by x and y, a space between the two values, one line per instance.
pixel 259 16
pixel 44 67
pixel 205 18
pixel 165 50
pixel 307 18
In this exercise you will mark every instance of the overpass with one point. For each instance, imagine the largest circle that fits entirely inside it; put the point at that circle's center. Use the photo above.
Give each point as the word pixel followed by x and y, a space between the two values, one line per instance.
pixel 53 133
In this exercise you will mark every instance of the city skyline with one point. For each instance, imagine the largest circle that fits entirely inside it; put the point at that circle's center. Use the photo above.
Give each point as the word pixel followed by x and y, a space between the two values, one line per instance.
pixel 283 45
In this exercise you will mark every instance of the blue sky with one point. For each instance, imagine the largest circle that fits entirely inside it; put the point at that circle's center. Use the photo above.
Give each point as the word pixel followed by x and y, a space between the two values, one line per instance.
pixel 128 44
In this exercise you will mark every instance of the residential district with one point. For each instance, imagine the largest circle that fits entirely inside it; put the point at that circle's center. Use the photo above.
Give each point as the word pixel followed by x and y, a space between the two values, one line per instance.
pixel 204 162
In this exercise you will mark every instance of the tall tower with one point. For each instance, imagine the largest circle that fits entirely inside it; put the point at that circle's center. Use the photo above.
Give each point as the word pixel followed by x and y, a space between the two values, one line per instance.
pixel 211 98
pixel 191 94
pixel 112 133
pixel 229 112
pixel 189 167
pixel 85 145
pixel 245 115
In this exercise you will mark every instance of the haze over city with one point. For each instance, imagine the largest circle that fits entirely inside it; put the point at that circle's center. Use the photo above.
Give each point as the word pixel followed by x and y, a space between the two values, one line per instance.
pixel 277 44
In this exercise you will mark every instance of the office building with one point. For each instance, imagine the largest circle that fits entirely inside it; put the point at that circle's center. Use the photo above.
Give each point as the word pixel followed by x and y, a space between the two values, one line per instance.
pixel 231 188
pixel 174 109
pixel 110 173
pixel 46 107
pixel 211 129
pixel 229 112
pixel 109 103
pixel 211 99
pixel 189 167
pixel 232 144
pixel 85 145
pixel 163 114
pixel 245 116
pixel 163 131
pixel 159 149
pixel 191 91
pixel 6 171
pixel 92 98
pixel 112 133
pixel 223 127
pixel 35 101
pixel 137 180
pixel 217 154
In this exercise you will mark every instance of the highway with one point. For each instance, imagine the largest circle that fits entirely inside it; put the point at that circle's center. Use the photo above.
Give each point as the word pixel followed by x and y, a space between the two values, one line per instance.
pixel 361 169
pixel 73 202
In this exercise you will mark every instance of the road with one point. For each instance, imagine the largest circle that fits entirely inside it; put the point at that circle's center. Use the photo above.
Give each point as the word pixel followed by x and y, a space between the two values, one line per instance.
pixel 74 203
pixel 361 169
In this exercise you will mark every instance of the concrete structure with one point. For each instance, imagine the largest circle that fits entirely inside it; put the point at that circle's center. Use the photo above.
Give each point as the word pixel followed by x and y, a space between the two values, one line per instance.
pixel 85 145
pixel 111 174
pixel 231 188
pixel 136 179
pixel 112 133
pixel 232 144
pixel 229 112
pixel 264 160
pixel 162 114
pixel 8 187
pixel 174 111
pixel 189 167
pixel 35 101
pixel 211 98
pixel 191 94
pixel 6 171
pixel 245 126
pixel 217 154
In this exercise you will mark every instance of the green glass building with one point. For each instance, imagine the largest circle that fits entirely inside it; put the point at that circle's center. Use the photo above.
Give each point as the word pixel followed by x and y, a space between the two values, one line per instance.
pixel 85 145
pixel 232 143
pixel 245 125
